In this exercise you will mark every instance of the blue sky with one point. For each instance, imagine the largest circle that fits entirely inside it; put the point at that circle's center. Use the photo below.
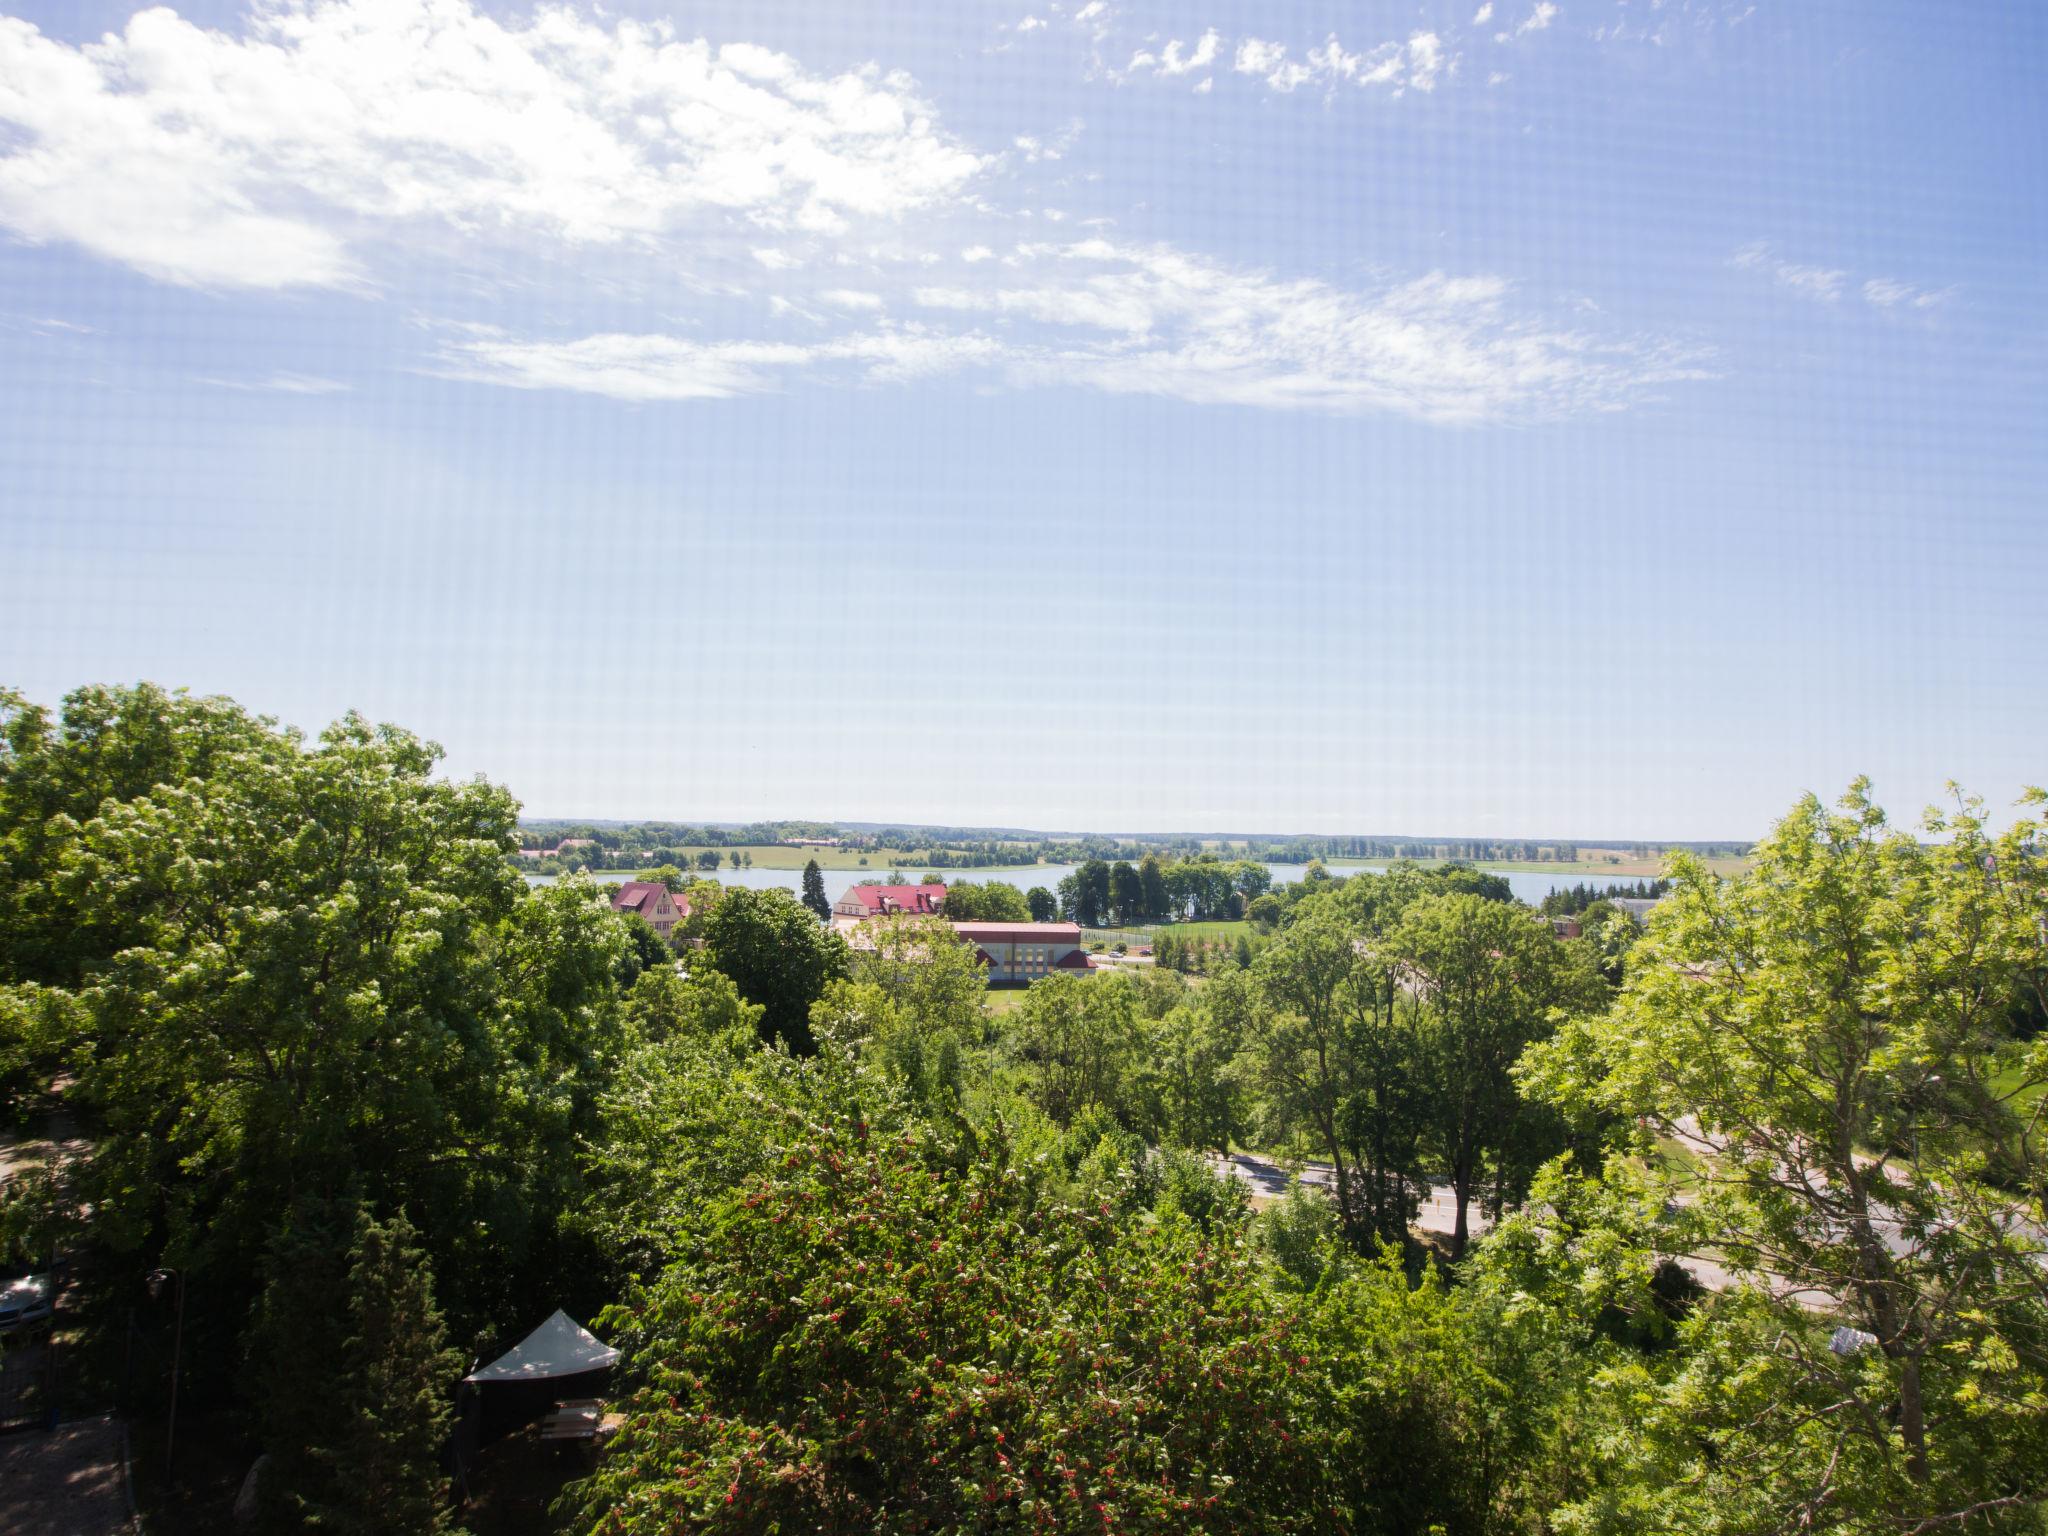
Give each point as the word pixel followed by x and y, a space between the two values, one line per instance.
pixel 1579 419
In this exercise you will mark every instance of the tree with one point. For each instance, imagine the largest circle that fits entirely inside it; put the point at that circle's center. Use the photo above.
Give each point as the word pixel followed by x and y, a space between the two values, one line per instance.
pixel 668 877
pixel 1485 977
pixel 1041 904
pixel 1836 1034
pixel 778 955
pixel 333 988
pixel 814 891
pixel 644 948
pixel 948 1346
pixel 1152 883
pixel 1126 893
pixel 993 902
pixel 1201 1099
pixel 1336 1057
pixel 1091 894
pixel 735 858
pixel 937 1003
pixel 1080 1043
pixel 56 774
pixel 352 1376
pixel 400 1375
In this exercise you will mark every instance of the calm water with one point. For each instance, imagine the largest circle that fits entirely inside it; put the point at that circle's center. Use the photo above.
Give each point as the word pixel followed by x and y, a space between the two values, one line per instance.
pixel 1528 885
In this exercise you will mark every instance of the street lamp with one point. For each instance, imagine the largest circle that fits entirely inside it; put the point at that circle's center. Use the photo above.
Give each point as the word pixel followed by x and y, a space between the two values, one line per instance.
pixel 158 1280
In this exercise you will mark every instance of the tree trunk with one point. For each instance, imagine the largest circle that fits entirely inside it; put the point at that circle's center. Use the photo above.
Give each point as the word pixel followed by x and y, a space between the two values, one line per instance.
pixel 1913 1421
pixel 1461 1190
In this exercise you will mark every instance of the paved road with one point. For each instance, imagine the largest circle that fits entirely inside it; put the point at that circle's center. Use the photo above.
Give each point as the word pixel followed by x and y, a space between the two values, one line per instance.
pixel 1269 1181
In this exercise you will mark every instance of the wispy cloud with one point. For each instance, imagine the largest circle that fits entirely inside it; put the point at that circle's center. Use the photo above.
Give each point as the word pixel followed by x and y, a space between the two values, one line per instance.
pixel 278 384
pixel 1828 285
pixel 1889 293
pixel 649 368
pixel 1821 283
pixel 1153 320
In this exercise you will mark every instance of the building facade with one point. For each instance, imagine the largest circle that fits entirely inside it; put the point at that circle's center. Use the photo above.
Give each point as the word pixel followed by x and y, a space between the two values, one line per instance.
pixel 651 899
pixel 1020 953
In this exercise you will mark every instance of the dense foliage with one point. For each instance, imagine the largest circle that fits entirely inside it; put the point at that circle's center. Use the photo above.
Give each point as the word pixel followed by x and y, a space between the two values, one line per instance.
pixel 883 1256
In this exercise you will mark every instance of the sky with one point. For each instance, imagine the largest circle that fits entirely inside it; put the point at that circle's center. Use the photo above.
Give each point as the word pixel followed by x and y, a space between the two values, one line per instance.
pixel 1579 419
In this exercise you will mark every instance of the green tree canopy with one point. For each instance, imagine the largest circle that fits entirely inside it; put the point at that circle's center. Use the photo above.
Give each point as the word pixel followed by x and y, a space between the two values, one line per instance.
pixel 1831 1035
pixel 779 957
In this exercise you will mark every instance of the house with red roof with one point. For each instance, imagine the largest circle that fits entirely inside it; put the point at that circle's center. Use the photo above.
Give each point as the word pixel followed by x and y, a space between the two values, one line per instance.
pixel 1020 953
pixel 862 902
pixel 651 900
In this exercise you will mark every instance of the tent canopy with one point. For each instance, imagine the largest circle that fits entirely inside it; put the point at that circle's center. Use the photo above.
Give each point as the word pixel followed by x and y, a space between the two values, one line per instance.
pixel 558 1347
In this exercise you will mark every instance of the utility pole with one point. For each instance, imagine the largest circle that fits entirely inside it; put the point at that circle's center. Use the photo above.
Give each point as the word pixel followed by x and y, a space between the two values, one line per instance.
pixel 158 1279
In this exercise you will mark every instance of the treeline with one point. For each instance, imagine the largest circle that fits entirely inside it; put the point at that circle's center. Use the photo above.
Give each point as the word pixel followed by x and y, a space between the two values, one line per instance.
pixel 647 836
pixel 881 1259
pixel 1100 893
pixel 1570 901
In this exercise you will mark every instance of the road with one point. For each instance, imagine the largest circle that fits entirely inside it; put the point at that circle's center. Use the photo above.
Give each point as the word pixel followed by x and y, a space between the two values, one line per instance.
pixel 1269 1181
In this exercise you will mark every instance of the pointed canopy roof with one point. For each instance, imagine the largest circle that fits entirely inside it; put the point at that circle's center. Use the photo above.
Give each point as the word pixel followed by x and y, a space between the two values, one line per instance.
pixel 558 1347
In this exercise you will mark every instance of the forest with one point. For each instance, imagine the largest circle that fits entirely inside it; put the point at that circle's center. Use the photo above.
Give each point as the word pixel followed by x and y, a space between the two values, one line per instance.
pixel 1746 1205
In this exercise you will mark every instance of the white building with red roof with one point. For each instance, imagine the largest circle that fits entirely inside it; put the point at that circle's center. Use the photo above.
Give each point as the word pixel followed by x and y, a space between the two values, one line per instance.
pixel 862 902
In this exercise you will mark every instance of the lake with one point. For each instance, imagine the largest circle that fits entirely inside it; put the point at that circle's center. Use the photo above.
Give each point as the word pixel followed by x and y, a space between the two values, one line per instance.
pixel 1528 885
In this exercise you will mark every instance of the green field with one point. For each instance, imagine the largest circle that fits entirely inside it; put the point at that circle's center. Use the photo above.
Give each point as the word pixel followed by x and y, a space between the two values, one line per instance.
pixel 1623 865
pixel 1144 933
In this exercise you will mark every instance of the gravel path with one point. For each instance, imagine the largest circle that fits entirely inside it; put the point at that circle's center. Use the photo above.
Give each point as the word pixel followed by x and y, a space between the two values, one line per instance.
pixel 66 1482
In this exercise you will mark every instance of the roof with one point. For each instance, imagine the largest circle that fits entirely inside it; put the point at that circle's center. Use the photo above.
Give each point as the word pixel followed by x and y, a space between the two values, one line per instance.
pixel 638 896
pixel 879 899
pixel 1074 960
pixel 1019 933
pixel 560 1346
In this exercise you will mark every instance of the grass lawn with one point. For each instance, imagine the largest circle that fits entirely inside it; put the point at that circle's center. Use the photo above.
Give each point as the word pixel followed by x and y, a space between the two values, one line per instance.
pixel 2028 1095
pixel 1145 933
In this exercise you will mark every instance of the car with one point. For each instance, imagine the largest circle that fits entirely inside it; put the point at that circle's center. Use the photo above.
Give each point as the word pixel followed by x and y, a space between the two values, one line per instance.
pixel 24 1301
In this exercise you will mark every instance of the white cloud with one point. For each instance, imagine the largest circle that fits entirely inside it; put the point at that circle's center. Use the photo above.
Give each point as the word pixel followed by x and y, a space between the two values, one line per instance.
pixel 1173 59
pixel 1483 15
pixel 1256 56
pixel 1419 63
pixel 268 160
pixel 1034 149
pixel 1031 24
pixel 1205 85
pixel 1544 14
pixel 291 153
pixel 1091 11
pixel 1425 60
